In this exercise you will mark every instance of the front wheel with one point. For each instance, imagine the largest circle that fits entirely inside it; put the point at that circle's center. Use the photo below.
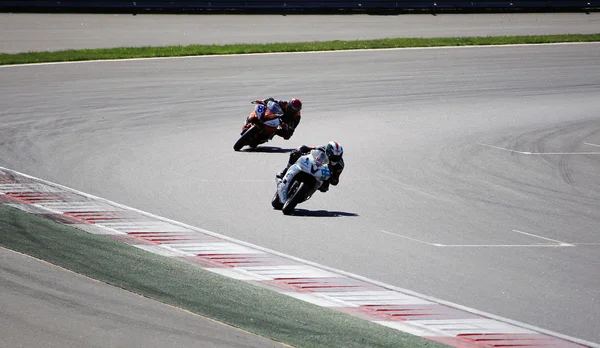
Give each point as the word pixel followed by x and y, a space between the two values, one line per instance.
pixel 297 197
pixel 277 205
pixel 246 138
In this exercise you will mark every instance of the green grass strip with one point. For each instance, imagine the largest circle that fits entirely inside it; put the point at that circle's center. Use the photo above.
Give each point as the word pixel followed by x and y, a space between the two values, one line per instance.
pixel 239 304
pixel 198 50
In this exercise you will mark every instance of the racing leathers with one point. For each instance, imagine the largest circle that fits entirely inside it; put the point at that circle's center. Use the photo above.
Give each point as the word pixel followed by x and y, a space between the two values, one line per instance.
pixel 335 169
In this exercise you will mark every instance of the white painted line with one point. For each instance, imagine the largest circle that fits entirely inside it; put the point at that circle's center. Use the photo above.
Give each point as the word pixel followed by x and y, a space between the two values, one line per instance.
pixel 289 53
pixel 539 153
pixel 340 273
pixel 554 245
pixel 552 240
pixel 409 238
pixel 590 144
pixel 504 149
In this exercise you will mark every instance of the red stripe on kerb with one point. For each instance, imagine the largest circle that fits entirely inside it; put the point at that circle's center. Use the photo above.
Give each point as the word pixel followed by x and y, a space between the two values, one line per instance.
pixel 6 178
pixel 62 218
pixel 95 216
pixel 454 342
pixel 8 199
pixel 402 313
pixel 33 197
pixel 325 284
pixel 235 260
pixel 158 237
pixel 165 240
pixel 412 312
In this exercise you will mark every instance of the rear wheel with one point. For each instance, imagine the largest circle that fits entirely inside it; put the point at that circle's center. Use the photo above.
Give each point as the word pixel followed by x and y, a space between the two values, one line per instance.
pixel 297 197
pixel 246 138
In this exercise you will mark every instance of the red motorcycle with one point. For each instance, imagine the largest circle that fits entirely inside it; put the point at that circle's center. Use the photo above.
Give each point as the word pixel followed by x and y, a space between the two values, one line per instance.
pixel 261 125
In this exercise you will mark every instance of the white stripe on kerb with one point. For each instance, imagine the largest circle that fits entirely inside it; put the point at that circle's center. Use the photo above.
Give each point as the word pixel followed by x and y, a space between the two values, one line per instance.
pixel 290 271
pixel 28 208
pixel 25 188
pixel 408 327
pixel 214 248
pixel 238 274
pixel 365 298
pixel 453 327
pixel 76 206
pixel 156 249
pixel 145 226
pixel 95 229
pixel 311 298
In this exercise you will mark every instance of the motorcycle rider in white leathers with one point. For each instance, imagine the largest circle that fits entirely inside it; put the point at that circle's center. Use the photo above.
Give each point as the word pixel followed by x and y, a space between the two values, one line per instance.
pixel 333 150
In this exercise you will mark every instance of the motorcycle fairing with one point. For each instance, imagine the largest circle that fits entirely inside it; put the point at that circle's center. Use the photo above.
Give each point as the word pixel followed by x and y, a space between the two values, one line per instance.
pixel 305 164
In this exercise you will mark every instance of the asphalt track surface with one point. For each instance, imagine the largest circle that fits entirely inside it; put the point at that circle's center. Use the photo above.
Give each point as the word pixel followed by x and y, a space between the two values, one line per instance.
pixel 43 32
pixel 46 306
pixel 471 172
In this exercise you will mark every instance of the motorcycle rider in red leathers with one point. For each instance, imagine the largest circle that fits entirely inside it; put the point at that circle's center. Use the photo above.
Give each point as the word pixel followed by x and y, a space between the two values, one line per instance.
pixel 334 152
pixel 291 115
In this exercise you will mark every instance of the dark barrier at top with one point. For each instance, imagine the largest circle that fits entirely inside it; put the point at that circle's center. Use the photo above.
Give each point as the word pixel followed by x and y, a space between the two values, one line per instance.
pixel 184 5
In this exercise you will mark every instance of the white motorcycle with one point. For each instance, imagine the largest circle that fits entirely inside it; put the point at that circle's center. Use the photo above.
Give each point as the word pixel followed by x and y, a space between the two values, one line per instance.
pixel 301 180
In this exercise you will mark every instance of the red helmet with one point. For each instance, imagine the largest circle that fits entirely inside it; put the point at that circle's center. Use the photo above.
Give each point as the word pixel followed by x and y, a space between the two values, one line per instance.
pixel 294 105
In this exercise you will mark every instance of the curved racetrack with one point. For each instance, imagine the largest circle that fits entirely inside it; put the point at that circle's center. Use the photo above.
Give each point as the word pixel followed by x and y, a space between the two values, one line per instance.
pixel 472 173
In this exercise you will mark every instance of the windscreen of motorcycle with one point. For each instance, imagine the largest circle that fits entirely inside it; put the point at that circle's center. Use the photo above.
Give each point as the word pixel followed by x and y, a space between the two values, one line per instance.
pixel 319 157
pixel 274 108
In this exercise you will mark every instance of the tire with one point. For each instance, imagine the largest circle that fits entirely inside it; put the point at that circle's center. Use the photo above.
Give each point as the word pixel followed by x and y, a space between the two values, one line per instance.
pixel 277 205
pixel 246 138
pixel 297 197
